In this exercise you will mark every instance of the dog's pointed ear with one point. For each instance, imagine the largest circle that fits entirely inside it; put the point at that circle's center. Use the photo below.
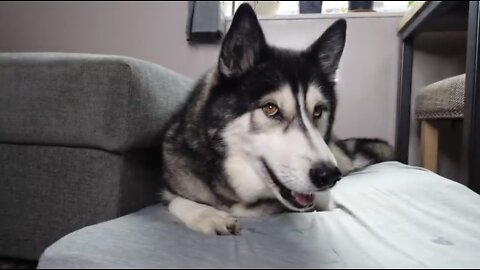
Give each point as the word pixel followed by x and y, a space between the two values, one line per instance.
pixel 243 45
pixel 329 48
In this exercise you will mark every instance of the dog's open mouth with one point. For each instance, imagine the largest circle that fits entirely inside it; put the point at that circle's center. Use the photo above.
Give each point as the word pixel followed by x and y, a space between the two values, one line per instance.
pixel 299 200
pixel 296 201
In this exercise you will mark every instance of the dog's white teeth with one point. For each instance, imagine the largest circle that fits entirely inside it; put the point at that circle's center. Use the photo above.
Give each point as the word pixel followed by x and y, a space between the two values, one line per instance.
pixel 294 194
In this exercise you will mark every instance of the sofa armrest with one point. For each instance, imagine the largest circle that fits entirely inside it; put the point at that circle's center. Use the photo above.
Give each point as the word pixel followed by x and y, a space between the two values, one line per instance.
pixel 77 142
pixel 112 103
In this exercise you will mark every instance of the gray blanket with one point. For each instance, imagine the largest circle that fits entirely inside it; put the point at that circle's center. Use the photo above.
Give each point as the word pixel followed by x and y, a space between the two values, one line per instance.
pixel 389 215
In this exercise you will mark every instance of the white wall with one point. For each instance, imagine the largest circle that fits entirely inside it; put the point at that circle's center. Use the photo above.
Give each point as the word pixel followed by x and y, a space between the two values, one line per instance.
pixel 155 31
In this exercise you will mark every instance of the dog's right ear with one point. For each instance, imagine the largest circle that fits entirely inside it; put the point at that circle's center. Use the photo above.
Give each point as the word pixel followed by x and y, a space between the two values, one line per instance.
pixel 329 48
pixel 243 45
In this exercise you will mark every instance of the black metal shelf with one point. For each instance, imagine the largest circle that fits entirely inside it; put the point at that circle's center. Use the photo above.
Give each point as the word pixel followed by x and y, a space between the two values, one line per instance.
pixel 437 16
pixel 441 16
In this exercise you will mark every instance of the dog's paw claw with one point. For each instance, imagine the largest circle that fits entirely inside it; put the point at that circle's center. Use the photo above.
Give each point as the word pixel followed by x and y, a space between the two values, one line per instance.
pixel 215 222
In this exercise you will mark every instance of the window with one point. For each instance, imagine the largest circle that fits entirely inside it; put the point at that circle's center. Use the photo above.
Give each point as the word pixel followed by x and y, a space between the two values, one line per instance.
pixel 270 8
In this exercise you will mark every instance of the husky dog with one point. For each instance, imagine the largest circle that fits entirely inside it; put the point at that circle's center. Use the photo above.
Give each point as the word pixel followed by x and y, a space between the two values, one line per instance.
pixel 255 136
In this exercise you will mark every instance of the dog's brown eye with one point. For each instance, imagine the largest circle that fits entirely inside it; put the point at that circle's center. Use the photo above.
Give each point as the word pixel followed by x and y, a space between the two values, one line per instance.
pixel 317 111
pixel 270 109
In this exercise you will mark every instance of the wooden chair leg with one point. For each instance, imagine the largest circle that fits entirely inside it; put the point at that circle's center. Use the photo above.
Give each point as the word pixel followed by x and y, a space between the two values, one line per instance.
pixel 429 145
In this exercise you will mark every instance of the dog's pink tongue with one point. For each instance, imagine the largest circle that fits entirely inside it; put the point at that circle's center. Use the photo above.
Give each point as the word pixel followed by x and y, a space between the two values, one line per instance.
pixel 304 199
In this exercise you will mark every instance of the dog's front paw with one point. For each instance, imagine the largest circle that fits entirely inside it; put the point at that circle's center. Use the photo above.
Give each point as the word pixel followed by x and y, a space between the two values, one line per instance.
pixel 212 221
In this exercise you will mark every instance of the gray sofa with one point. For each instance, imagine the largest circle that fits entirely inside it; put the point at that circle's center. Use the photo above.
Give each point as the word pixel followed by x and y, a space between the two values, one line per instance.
pixel 79 144
pixel 79 137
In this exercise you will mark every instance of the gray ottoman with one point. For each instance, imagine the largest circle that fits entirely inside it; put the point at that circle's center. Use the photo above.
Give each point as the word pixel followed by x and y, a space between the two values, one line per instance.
pixel 441 100
pixel 438 101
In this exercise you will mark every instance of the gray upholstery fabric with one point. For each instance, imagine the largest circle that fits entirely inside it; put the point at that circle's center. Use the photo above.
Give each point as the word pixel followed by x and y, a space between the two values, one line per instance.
pixel 47 192
pixel 77 142
pixel 391 216
pixel 107 102
pixel 442 99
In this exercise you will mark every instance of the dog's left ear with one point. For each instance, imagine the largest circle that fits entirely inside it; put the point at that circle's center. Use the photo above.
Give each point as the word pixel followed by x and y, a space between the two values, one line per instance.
pixel 243 45
pixel 329 48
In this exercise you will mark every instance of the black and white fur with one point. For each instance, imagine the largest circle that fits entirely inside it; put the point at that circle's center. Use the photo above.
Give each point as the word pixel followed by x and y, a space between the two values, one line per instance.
pixel 225 154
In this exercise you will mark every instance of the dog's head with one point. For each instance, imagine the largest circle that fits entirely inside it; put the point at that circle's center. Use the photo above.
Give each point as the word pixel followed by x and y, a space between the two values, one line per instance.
pixel 280 105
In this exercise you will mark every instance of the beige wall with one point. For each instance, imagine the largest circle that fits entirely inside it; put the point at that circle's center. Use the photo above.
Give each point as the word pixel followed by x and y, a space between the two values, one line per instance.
pixel 155 31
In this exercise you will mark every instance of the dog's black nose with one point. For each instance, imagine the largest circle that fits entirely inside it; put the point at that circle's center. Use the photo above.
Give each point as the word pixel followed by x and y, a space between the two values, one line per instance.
pixel 323 176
